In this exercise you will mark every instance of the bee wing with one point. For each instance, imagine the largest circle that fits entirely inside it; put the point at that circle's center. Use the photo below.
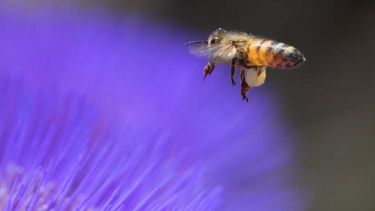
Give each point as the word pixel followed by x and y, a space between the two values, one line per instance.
pixel 216 52
pixel 225 54
pixel 202 48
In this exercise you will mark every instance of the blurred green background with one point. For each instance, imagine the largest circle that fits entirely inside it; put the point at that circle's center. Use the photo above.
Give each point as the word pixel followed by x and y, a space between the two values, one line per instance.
pixel 329 101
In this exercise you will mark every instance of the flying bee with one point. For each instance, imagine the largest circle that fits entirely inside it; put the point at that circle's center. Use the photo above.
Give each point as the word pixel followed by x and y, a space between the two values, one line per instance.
pixel 249 54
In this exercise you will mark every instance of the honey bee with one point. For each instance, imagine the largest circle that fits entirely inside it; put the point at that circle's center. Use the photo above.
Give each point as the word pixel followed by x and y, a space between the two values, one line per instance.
pixel 249 54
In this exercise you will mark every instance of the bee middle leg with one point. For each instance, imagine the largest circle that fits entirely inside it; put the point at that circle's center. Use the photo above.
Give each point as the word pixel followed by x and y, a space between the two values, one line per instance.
pixel 232 71
pixel 245 88
pixel 208 69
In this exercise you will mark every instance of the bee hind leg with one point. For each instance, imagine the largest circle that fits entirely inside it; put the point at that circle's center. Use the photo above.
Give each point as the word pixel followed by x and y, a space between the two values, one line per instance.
pixel 208 69
pixel 245 88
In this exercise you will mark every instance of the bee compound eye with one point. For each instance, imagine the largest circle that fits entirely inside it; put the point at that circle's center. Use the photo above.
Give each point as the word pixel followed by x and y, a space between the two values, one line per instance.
pixel 214 40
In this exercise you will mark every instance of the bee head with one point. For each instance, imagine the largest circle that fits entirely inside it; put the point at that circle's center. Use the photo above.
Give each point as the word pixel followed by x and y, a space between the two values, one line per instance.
pixel 216 36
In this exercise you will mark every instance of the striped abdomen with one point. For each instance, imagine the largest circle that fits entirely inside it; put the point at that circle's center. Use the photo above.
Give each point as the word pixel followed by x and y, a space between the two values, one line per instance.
pixel 273 54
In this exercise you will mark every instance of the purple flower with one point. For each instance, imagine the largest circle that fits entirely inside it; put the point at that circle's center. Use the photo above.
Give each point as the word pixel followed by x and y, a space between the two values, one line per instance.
pixel 166 139
pixel 57 154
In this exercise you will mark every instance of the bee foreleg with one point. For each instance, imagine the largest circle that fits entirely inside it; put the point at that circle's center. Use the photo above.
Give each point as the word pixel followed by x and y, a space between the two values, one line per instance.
pixel 244 87
pixel 232 71
pixel 208 69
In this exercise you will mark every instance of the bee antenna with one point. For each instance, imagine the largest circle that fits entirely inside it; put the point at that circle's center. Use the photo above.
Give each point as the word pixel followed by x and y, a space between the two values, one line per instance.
pixel 195 42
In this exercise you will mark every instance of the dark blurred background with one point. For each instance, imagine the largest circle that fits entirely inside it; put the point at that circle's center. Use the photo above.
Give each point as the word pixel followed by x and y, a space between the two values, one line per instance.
pixel 329 101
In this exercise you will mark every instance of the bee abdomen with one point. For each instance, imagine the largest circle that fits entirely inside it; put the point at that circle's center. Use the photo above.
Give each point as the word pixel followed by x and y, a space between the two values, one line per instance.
pixel 273 54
